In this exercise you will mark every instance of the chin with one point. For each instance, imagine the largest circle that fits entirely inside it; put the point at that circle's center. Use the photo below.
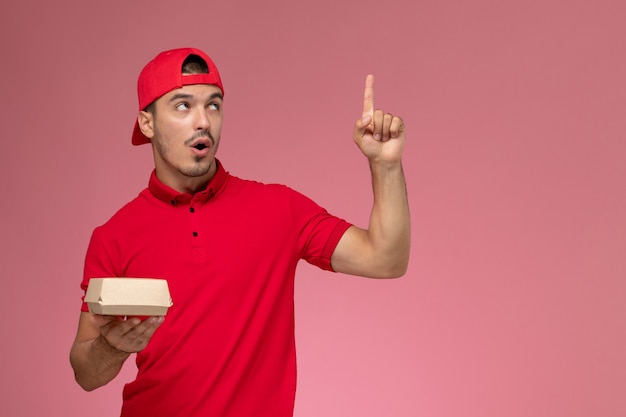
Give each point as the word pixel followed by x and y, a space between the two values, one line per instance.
pixel 198 170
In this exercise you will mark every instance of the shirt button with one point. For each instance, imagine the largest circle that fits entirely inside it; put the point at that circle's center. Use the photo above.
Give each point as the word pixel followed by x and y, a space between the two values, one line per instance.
pixel 191 209
pixel 195 234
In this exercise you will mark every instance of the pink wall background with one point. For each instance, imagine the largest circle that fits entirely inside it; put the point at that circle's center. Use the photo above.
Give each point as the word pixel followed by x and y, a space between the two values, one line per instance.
pixel 514 301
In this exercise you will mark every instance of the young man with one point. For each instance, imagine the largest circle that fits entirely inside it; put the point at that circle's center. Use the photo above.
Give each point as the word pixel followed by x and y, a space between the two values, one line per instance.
pixel 229 249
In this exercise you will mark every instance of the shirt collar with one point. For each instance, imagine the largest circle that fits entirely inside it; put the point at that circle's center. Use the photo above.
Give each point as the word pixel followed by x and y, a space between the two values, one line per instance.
pixel 173 197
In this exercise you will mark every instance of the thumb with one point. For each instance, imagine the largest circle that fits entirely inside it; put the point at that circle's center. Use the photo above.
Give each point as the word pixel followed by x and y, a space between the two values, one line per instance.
pixel 361 125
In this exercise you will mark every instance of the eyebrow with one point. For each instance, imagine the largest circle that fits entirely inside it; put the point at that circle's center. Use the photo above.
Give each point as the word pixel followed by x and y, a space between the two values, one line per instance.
pixel 186 96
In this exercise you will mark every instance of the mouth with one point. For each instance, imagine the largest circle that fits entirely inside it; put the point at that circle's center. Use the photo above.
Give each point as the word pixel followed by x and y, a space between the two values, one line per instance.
pixel 201 146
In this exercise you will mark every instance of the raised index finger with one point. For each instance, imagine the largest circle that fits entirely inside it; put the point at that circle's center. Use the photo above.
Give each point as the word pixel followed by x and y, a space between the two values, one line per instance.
pixel 368 96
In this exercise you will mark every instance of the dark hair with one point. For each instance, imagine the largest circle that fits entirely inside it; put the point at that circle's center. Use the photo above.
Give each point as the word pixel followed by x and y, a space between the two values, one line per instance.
pixel 195 65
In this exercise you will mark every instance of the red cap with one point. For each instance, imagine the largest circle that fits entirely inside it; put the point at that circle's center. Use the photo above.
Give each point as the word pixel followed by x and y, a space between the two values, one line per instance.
pixel 164 74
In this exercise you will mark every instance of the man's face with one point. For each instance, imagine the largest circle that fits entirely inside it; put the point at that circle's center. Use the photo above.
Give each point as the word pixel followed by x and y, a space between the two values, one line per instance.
pixel 185 132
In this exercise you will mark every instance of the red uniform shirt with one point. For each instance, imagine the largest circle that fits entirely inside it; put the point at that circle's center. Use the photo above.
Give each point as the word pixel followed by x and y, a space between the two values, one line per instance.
pixel 229 254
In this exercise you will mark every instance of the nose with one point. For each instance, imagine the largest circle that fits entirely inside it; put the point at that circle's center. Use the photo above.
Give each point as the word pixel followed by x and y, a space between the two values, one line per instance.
pixel 201 119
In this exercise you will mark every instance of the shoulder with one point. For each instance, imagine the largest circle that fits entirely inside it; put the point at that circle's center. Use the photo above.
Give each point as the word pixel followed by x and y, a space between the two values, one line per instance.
pixel 134 211
pixel 253 188
pixel 274 200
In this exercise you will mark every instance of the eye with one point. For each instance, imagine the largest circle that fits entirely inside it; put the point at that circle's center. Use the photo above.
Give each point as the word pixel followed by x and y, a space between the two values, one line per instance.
pixel 214 106
pixel 182 106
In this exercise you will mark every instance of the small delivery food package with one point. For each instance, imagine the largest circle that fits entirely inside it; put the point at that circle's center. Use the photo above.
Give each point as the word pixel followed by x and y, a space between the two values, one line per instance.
pixel 128 296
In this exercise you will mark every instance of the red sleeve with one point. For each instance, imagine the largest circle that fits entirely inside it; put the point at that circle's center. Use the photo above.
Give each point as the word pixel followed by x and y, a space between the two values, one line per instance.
pixel 98 263
pixel 319 231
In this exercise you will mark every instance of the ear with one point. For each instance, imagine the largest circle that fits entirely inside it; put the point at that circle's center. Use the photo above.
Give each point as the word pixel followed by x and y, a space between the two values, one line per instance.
pixel 145 120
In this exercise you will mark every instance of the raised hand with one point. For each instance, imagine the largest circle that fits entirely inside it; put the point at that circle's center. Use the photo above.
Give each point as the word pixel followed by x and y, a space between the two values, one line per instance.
pixel 379 135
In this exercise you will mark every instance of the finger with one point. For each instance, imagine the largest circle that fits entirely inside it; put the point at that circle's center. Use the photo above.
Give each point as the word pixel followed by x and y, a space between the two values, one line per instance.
pixel 141 327
pixel 142 333
pixel 368 96
pixel 378 121
pixel 387 119
pixel 133 334
pixel 100 320
pixel 153 324
pixel 117 327
pixel 397 127
pixel 361 126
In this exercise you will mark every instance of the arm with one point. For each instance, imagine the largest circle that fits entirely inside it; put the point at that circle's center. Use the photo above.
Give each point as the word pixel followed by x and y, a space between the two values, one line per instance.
pixel 103 344
pixel 381 251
